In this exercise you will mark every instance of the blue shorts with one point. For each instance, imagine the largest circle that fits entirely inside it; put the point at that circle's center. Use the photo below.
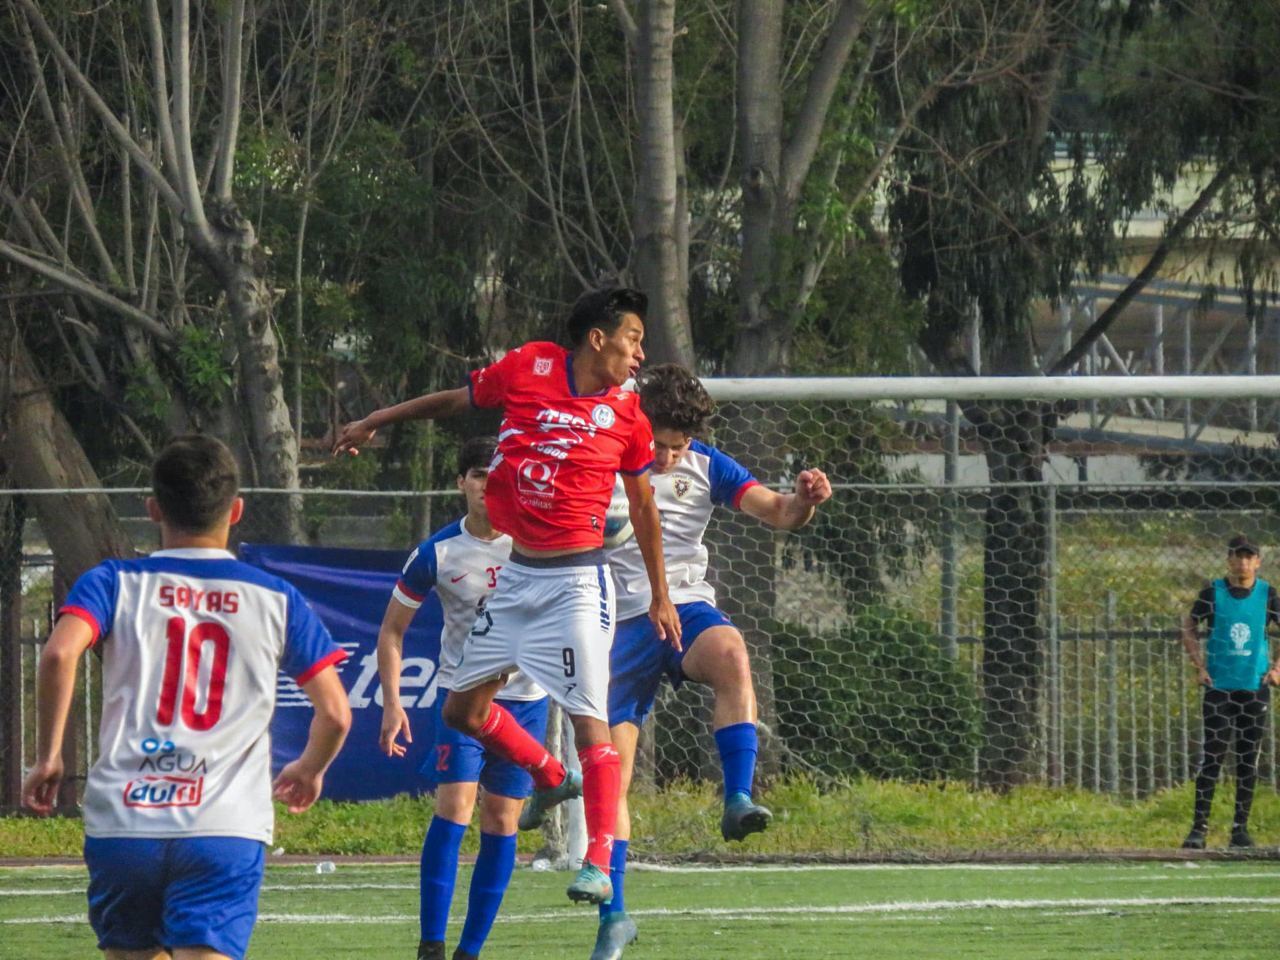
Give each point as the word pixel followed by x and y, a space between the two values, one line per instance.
pixel 456 758
pixel 639 659
pixel 183 892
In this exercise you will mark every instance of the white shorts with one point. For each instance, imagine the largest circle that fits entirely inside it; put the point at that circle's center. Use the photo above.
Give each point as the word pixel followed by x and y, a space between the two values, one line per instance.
pixel 553 623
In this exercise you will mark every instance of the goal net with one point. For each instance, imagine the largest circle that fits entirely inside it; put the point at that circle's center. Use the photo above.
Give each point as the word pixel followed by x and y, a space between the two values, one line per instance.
pixel 989 605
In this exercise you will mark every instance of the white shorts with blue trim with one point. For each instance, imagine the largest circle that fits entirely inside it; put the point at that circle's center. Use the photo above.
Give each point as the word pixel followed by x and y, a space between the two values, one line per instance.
pixel 555 623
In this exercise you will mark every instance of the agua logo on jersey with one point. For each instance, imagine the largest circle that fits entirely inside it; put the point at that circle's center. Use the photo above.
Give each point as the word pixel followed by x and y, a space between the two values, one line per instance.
pixel 164 756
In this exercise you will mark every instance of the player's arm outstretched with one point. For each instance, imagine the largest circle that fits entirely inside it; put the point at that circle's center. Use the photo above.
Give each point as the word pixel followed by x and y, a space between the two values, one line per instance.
pixel 299 783
pixel 788 511
pixel 395 624
pixel 56 687
pixel 429 406
pixel 648 533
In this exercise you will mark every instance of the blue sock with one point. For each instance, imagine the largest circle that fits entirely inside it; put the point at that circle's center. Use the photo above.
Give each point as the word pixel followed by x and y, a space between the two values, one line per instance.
pixel 488 883
pixel 737 745
pixel 617 876
pixel 436 875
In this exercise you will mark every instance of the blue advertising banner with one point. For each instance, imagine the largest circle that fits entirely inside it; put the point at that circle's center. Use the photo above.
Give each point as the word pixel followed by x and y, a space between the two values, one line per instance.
pixel 349 589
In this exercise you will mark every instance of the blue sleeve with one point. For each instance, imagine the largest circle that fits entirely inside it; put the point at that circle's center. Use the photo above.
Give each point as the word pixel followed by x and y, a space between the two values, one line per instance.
pixel 729 479
pixel 93 598
pixel 420 571
pixel 308 647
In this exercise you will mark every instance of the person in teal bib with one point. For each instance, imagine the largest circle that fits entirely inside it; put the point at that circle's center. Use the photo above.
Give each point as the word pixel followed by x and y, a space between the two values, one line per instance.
pixel 1234 669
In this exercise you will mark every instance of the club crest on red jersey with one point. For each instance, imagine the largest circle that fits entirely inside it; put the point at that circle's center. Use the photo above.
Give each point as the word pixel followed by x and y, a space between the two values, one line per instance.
pixel 603 416
pixel 542 366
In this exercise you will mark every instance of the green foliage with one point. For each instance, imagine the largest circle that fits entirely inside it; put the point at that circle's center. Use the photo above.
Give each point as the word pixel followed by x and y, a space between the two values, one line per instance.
pixel 862 541
pixel 205 375
pixel 144 393
pixel 862 817
pixel 883 689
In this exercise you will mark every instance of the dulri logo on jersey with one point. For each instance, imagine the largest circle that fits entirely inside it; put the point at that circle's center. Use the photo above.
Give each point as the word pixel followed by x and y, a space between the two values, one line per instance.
pixel 680 486
pixel 164 792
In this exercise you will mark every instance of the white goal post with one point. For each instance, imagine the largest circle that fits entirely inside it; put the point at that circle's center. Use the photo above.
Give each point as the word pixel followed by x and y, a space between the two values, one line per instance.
pixel 792 389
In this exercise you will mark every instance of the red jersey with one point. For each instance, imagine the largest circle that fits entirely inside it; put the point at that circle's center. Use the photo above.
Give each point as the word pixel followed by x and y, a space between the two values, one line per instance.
pixel 558 452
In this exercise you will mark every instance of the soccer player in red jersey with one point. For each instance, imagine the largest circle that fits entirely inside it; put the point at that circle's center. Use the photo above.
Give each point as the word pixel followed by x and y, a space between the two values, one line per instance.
pixel 568 429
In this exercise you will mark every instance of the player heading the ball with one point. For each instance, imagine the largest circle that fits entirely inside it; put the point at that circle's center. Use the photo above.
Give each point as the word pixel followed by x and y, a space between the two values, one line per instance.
pixel 461 562
pixel 568 429
pixel 177 808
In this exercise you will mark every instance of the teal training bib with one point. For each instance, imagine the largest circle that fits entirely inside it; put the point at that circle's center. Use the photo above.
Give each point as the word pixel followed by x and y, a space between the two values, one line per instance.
pixel 1236 654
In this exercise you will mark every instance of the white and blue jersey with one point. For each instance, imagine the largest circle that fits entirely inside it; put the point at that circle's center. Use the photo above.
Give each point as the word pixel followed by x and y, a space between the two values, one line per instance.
pixel 463 570
pixel 192 640
pixel 685 496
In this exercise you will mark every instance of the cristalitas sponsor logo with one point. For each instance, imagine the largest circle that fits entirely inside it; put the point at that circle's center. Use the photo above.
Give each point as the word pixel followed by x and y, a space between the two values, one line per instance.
pixel 164 791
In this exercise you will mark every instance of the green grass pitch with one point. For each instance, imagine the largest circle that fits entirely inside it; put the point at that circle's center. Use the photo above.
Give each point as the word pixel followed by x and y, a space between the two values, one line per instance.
pixel 880 912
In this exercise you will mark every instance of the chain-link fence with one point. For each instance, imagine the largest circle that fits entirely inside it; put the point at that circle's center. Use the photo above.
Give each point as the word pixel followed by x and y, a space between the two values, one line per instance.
pixel 992 596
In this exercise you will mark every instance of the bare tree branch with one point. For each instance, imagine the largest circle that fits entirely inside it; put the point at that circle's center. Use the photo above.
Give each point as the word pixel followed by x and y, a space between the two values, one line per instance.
pixel 232 79
pixel 100 108
pixel 180 56
pixel 89 291
pixel 1143 277
pixel 798 153
pixel 626 21
pixel 60 132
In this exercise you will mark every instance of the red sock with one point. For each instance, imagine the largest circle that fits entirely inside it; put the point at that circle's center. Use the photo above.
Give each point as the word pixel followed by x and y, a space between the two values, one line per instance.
pixel 504 736
pixel 601 784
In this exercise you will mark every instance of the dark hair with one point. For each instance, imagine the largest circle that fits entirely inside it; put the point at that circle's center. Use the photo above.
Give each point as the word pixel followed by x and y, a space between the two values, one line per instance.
pixel 476 454
pixel 195 480
pixel 604 310
pixel 674 399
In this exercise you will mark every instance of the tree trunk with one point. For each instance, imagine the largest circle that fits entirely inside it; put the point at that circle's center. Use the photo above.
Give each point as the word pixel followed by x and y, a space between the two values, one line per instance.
pixel 1013 581
pixel 234 259
pixel 12 516
pixel 41 452
pixel 658 256
pixel 760 347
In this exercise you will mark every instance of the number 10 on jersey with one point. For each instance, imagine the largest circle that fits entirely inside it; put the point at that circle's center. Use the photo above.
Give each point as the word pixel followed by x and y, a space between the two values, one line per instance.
pixel 191 648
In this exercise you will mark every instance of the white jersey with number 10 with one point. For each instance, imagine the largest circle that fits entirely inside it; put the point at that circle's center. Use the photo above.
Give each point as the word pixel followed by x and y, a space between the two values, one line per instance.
pixel 191 644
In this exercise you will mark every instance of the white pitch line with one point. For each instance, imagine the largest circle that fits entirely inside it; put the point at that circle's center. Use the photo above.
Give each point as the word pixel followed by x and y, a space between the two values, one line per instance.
pixel 902 907
pixel 838 867
pixel 1214 877
pixel 900 867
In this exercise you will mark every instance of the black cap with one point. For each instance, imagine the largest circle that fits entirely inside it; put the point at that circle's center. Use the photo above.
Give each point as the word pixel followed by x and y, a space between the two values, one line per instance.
pixel 1242 544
